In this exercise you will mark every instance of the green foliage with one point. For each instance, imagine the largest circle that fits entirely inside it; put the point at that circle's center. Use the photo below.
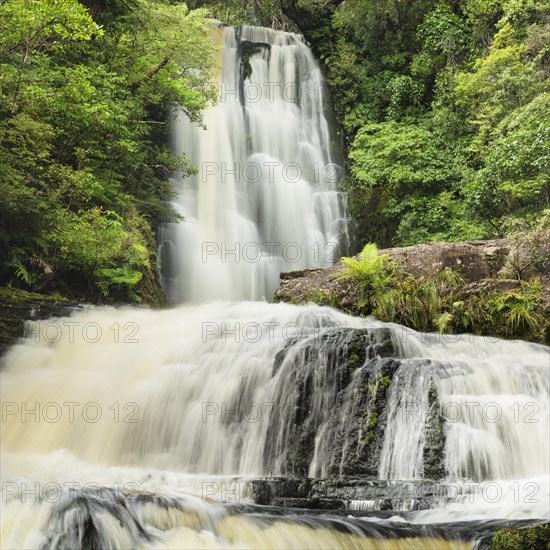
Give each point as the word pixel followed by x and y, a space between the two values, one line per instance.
pixel 98 244
pixel 27 26
pixel 370 273
pixel 440 302
pixel 266 13
pixel 515 177
pixel 445 32
pixel 517 310
pixel 369 269
pixel 405 171
pixel 499 83
pixel 323 298
pixel 443 108
pixel 443 322
pixel 83 155
pixel 527 538
pixel 414 302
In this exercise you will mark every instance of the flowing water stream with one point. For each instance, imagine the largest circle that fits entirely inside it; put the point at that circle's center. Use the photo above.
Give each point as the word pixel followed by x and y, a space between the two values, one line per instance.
pixel 244 424
pixel 128 429
pixel 264 199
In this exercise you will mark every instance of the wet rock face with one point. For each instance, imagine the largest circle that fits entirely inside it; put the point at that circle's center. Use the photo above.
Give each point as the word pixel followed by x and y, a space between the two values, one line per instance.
pixel 356 449
pixel 339 395
pixel 434 444
pixel 331 395
pixel 80 520
pixel 349 493
pixel 15 313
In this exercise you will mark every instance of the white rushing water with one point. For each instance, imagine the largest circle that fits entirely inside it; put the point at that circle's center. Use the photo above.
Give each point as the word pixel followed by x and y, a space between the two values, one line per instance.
pixel 158 405
pixel 264 199
pixel 494 395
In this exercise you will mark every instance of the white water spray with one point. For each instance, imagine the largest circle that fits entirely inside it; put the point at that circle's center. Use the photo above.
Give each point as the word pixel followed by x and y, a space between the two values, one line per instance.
pixel 166 410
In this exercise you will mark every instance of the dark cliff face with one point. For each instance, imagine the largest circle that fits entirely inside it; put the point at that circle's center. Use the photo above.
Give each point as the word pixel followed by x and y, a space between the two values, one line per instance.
pixel 338 382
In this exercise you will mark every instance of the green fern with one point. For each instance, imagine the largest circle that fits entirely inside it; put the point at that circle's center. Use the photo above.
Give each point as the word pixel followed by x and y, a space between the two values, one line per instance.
pixel 368 269
pixel 121 276
pixel 517 310
pixel 448 279
pixel 443 322
pixel 21 271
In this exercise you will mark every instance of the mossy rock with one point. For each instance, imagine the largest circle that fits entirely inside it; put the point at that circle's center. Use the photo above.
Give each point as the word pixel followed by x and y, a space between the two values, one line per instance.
pixel 18 306
pixel 526 538
pixel 149 290
pixel 434 445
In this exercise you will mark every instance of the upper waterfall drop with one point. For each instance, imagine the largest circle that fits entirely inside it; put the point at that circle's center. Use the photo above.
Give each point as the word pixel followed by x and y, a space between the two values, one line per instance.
pixel 264 198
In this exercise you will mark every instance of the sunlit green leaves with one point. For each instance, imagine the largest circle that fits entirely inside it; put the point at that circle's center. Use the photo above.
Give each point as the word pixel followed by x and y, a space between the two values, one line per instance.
pixel 450 133
pixel 502 81
pixel 443 31
pixel 394 156
pixel 30 25
pixel 83 154
pixel 516 172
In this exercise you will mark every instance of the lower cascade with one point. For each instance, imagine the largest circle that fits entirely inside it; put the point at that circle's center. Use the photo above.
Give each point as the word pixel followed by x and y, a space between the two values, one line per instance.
pixel 253 425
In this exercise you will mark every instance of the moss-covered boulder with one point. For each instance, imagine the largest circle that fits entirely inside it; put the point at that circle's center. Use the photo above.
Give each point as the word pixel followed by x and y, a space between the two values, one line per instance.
pixel 490 288
pixel 527 538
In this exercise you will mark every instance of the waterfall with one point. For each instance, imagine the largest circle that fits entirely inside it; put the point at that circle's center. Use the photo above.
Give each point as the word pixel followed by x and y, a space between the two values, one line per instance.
pixel 495 400
pixel 245 424
pixel 154 411
pixel 264 199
